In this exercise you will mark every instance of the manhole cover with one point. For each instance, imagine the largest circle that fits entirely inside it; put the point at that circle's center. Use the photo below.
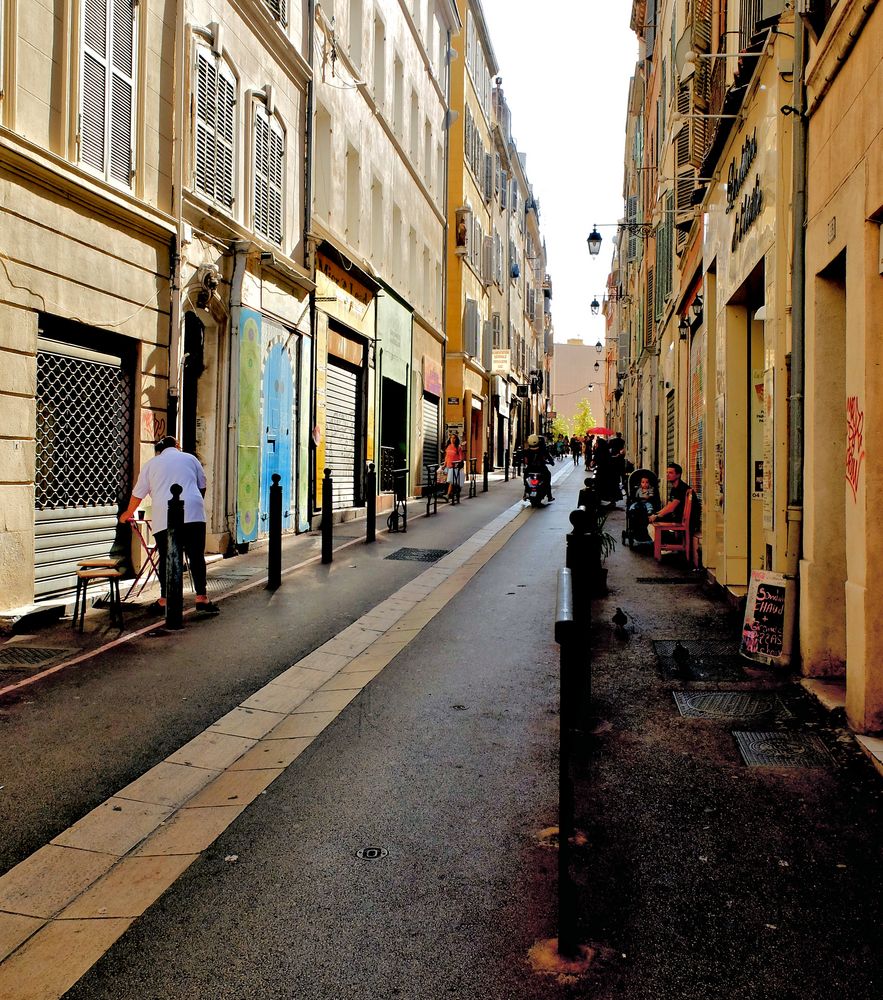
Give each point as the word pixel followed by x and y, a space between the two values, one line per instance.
pixel 218 584
pixel 418 555
pixel 28 655
pixel 371 853
pixel 665 580
pixel 705 660
pixel 730 705
pixel 782 750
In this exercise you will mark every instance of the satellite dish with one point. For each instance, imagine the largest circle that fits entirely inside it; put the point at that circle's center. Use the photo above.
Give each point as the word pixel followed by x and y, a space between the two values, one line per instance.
pixel 685 67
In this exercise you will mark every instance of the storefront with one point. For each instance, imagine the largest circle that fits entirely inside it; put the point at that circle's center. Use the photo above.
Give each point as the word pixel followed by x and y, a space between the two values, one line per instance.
pixel 431 388
pixel 393 370
pixel 343 433
pixel 746 272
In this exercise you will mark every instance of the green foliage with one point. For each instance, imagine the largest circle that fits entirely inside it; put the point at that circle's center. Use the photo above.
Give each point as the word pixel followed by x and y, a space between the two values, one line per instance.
pixel 561 425
pixel 583 418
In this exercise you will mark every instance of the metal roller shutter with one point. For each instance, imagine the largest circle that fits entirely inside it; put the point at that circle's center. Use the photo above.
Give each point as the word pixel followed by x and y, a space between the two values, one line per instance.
pixel 342 394
pixel 430 435
pixel 84 433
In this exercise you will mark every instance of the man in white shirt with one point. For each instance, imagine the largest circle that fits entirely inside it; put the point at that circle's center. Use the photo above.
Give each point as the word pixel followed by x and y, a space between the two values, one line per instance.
pixel 170 466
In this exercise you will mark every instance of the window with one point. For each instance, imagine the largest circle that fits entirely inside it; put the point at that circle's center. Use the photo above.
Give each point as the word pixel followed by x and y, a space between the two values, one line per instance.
pixel 379 63
pixel 277 9
pixel 215 127
pixel 322 174
pixel 107 88
pixel 356 32
pixel 398 97
pixel 353 195
pixel 377 227
pixel 269 171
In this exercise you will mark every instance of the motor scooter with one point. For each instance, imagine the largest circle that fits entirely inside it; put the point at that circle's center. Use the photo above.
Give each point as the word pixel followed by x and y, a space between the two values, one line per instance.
pixel 534 488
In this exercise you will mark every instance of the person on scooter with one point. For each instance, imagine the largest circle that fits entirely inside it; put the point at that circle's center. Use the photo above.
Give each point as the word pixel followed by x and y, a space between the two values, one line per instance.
pixel 537 459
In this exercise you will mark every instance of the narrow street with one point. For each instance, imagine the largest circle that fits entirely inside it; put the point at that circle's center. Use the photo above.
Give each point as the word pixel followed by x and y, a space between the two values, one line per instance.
pixel 397 841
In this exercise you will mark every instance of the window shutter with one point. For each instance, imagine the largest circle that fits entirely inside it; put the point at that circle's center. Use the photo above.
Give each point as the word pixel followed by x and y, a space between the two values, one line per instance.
pixel 504 187
pixel 122 66
pixel 486 346
pixel 277 9
pixel 487 260
pixel 470 328
pixel 488 177
pixel 268 174
pixel 93 98
pixel 632 218
pixel 649 307
pixel 215 128
pixel 498 259
pixel 226 133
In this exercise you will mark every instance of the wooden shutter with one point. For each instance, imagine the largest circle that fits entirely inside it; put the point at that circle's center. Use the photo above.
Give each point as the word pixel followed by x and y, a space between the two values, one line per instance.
pixel 269 153
pixel 632 219
pixel 277 9
pixel 488 177
pixel 649 308
pixel 487 260
pixel 486 346
pixel 215 127
pixel 93 85
pixel 108 88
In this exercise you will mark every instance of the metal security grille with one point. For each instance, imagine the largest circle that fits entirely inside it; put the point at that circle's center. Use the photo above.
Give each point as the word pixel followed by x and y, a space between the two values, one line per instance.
pixel 430 434
pixel 83 467
pixel 670 429
pixel 84 417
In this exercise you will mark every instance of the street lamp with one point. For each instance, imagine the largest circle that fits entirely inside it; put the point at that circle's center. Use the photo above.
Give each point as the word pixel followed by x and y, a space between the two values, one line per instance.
pixel 595 306
pixel 597 366
pixel 696 306
pixel 640 229
pixel 684 328
pixel 599 347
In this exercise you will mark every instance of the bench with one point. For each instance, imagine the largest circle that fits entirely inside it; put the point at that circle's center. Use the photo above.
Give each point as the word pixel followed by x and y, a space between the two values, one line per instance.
pixel 677 533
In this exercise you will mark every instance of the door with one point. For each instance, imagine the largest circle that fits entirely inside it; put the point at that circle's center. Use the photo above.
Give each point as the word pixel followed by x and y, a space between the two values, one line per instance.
pixel 277 446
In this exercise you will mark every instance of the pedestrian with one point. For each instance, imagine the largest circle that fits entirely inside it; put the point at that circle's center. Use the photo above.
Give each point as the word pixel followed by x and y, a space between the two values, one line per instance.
pixel 576 447
pixel 454 458
pixel 170 465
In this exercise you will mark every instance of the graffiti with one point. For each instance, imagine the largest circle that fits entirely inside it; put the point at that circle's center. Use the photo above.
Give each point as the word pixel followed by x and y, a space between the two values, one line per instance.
pixel 153 425
pixel 855 443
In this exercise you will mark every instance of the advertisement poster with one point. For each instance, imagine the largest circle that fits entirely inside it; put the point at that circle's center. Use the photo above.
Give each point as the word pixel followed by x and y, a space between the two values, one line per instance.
pixel 769 619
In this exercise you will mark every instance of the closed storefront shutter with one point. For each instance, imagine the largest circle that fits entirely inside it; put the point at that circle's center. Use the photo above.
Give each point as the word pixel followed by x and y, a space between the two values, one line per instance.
pixel 342 395
pixel 83 470
pixel 670 429
pixel 430 434
pixel 697 411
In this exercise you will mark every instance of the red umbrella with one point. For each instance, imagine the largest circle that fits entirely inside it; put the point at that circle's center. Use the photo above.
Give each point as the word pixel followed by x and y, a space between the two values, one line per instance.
pixel 600 431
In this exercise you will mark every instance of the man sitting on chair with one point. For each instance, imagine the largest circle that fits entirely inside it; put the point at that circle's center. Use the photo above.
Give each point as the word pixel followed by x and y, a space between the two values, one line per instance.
pixel 674 509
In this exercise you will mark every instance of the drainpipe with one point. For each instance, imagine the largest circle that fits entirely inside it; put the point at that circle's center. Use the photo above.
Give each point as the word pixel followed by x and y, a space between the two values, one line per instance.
pixel 310 263
pixel 240 251
pixel 176 243
pixel 794 516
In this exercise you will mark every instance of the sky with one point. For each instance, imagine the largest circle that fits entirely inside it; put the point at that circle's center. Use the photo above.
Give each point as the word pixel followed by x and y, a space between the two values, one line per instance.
pixel 566 71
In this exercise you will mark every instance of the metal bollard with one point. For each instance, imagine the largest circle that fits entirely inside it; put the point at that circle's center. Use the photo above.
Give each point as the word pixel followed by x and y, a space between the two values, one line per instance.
pixel 565 636
pixel 506 468
pixel 274 551
pixel 175 561
pixel 484 480
pixel 327 501
pixel 370 503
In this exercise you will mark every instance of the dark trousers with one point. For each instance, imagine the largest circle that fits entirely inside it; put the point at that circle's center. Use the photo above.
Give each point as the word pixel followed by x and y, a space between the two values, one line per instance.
pixel 192 544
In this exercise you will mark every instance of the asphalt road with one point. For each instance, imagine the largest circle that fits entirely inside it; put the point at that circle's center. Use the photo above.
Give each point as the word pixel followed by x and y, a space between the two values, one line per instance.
pixel 447 761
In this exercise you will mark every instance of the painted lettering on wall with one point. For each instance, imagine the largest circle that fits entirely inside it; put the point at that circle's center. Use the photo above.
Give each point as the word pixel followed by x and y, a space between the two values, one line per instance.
pixel 855 443
pixel 738 172
pixel 153 425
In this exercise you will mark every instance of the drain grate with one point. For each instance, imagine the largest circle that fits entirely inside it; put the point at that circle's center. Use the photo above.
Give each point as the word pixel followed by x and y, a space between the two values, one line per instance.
pixel 418 555
pixel 26 656
pixel 707 660
pixel 783 750
pixel 220 583
pixel 745 705
pixel 666 580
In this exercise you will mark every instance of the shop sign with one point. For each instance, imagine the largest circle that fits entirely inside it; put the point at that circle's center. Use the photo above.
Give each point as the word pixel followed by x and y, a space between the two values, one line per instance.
pixel 338 286
pixel 453 400
pixel 501 362
pixel 748 210
pixel 769 619
pixel 432 376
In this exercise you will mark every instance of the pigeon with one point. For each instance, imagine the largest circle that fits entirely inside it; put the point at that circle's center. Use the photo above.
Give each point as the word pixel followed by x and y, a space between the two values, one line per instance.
pixel 619 620
pixel 681 655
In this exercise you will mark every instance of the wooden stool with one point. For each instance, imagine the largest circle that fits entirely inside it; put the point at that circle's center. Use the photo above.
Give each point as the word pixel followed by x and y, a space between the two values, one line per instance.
pixel 99 569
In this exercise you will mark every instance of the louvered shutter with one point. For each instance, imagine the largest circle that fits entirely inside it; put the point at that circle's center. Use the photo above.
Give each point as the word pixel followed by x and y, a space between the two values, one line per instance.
pixel 649 306
pixel 488 177
pixel 487 260
pixel 122 91
pixel 632 218
pixel 206 99
pixel 277 9
pixel 701 27
pixel 93 90
pixel 269 153
pixel 107 87
pixel 226 133
pixel 498 259
pixel 504 187
pixel 470 328
pixel 486 346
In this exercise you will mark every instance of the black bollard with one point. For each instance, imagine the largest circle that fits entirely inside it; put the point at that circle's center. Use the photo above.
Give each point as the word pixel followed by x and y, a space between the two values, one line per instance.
pixel 175 561
pixel 370 503
pixel 569 653
pixel 327 501
pixel 506 468
pixel 274 552
pixel 484 481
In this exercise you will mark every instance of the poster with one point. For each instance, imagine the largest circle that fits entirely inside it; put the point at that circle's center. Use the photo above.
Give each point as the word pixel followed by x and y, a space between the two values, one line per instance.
pixel 768 629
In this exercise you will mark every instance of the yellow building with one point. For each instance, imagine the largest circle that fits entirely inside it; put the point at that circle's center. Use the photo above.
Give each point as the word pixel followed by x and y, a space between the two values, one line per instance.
pixel 841 572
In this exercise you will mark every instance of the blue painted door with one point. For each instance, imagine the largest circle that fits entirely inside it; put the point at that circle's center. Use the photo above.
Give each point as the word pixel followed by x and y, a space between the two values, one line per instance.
pixel 277 446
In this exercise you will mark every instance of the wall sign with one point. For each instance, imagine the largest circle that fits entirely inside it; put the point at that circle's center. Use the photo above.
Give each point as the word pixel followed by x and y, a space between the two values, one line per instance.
pixel 752 202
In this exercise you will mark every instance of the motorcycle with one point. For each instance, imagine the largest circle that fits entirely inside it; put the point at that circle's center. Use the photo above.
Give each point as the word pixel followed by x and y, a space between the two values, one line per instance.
pixel 534 488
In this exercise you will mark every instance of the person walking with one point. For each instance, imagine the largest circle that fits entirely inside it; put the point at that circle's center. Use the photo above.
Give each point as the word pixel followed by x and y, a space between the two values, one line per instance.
pixel 170 465
pixel 454 458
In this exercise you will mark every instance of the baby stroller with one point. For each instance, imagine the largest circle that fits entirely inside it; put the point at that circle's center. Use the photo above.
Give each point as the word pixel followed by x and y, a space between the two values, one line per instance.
pixel 635 531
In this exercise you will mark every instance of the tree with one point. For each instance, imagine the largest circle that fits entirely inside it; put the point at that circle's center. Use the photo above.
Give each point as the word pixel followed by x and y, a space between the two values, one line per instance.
pixel 561 425
pixel 582 419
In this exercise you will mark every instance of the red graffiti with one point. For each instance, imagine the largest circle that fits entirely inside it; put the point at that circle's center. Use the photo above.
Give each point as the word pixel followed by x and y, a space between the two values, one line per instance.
pixel 855 443
pixel 153 425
